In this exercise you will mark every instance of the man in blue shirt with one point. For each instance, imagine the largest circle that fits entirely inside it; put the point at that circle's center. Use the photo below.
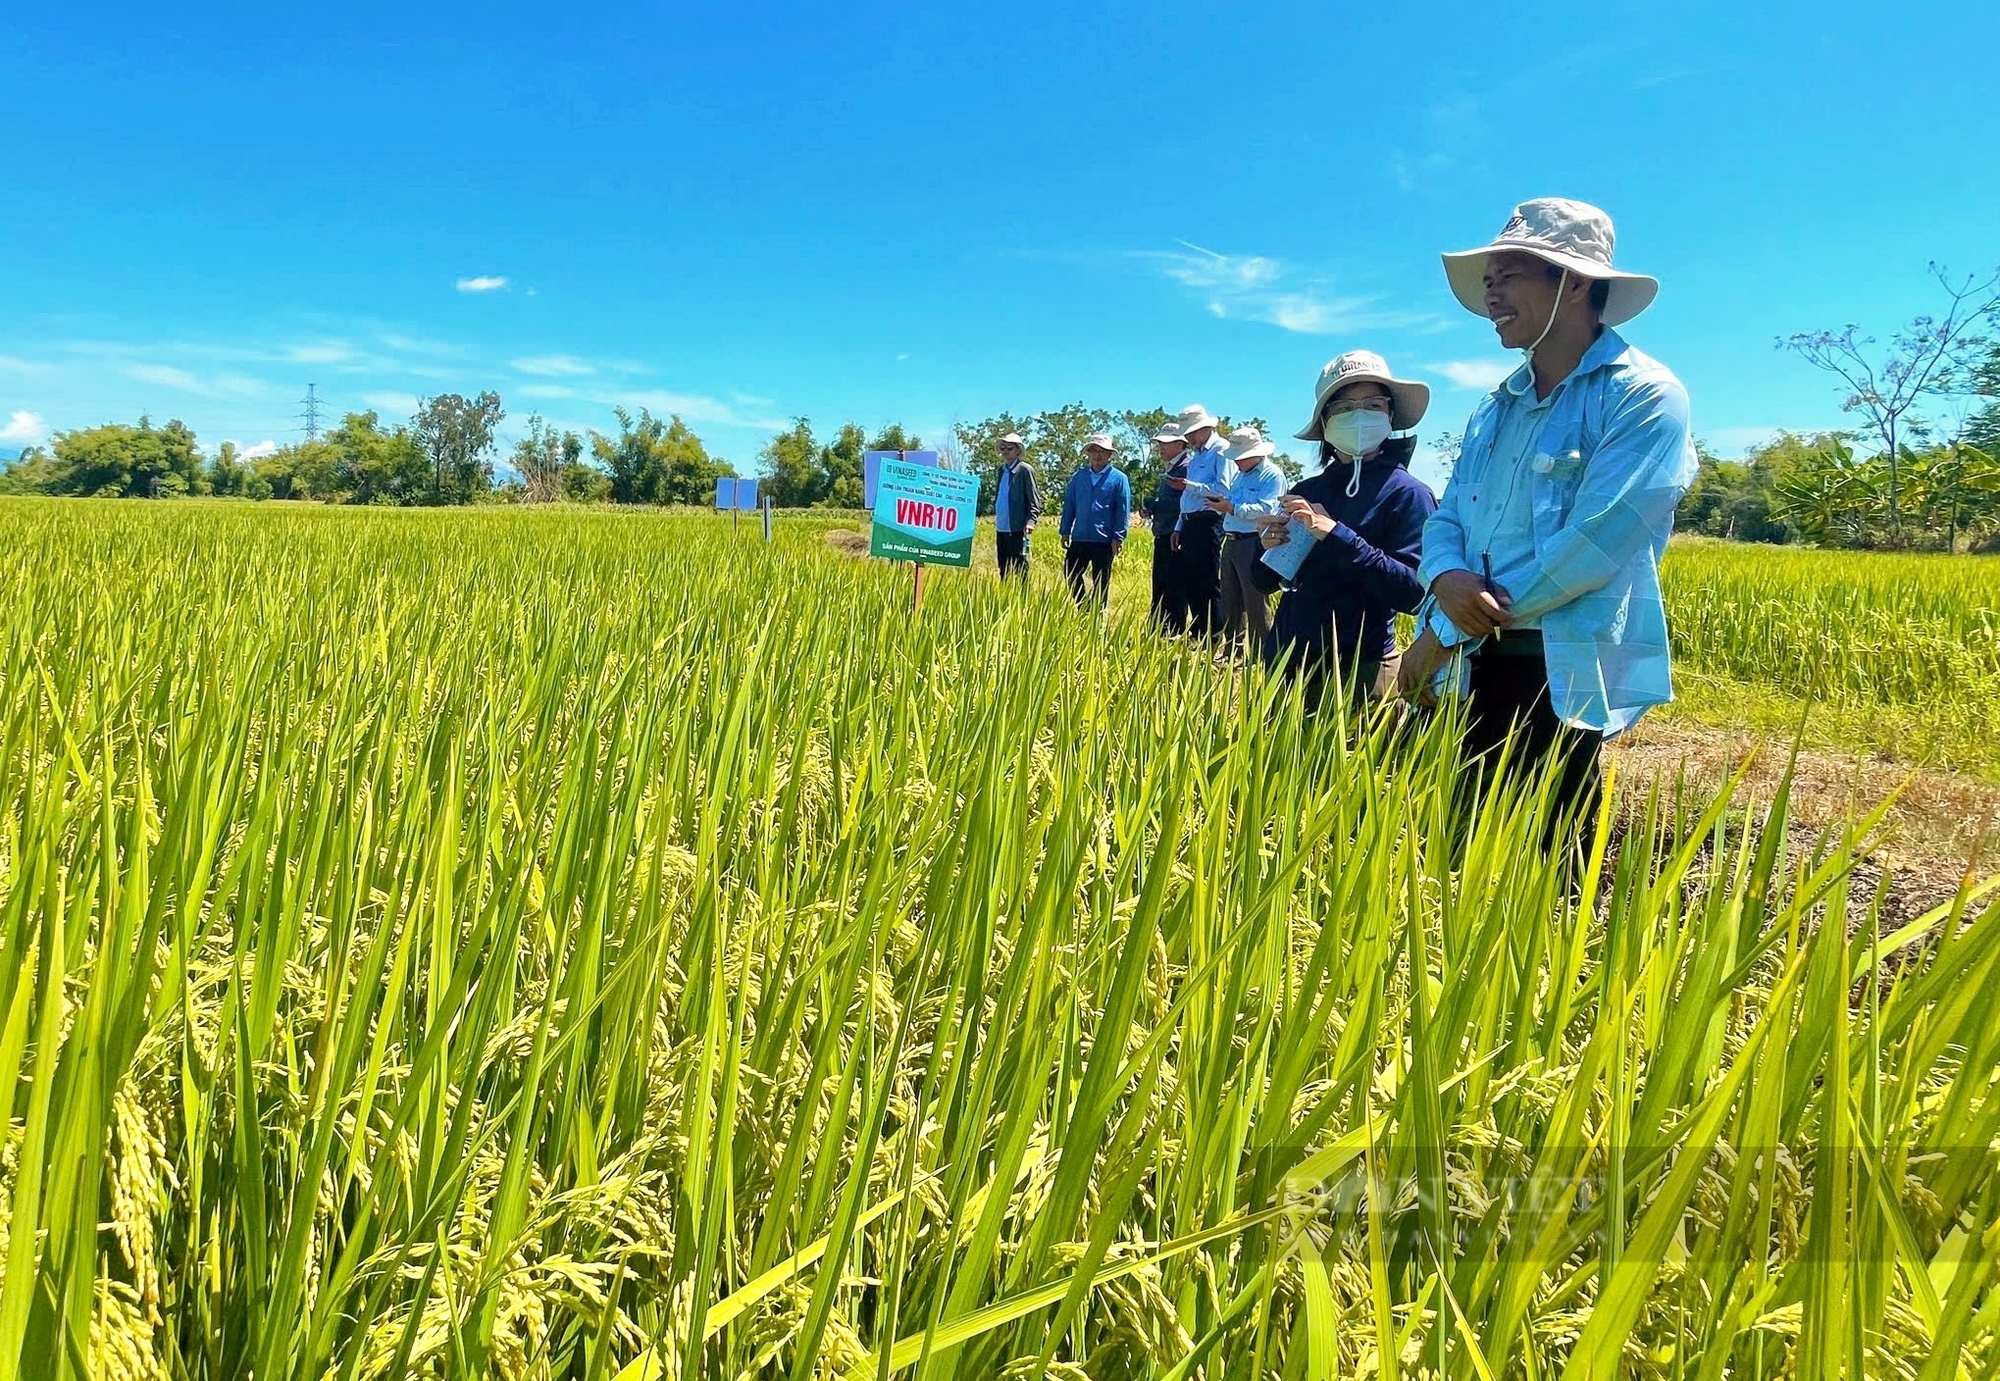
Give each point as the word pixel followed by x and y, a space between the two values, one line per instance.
pixel 1017 502
pixel 1256 485
pixel 1096 512
pixel 1197 535
pixel 1542 560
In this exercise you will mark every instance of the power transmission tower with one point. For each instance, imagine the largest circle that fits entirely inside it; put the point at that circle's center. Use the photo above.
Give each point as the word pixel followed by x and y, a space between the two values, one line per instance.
pixel 311 414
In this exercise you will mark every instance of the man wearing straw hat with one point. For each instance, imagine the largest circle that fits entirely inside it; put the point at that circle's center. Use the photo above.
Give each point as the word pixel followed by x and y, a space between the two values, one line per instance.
pixel 1096 512
pixel 1162 511
pixel 1251 501
pixel 1017 502
pixel 1197 536
pixel 1542 560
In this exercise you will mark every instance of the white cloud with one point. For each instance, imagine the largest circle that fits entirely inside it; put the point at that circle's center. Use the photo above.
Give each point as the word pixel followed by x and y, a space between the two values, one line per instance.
pixel 324 352
pixel 14 364
pixel 24 429
pixel 692 407
pixel 163 375
pixel 392 402
pixel 546 391
pixel 417 345
pixel 1254 287
pixel 1479 376
pixel 484 283
pixel 563 365
pixel 261 449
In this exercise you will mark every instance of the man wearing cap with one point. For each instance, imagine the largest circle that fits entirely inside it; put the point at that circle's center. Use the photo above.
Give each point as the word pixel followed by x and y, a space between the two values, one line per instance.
pixel 1162 511
pixel 1197 535
pixel 1252 499
pixel 1542 560
pixel 1096 511
pixel 1017 502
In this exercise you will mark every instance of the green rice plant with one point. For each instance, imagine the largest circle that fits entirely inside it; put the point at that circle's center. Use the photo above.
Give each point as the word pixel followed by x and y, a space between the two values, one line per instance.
pixel 1901 651
pixel 567 944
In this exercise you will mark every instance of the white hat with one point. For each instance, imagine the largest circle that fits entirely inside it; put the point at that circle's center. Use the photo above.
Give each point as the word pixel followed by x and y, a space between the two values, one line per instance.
pixel 1011 439
pixel 1170 432
pixel 1569 234
pixel 1102 441
pixel 1194 417
pixel 1409 398
pixel 1247 443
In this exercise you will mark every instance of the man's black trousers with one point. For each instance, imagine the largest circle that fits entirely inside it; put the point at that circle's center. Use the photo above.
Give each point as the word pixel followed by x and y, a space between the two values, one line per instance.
pixel 1169 600
pixel 1012 549
pixel 1200 568
pixel 1091 560
pixel 1510 693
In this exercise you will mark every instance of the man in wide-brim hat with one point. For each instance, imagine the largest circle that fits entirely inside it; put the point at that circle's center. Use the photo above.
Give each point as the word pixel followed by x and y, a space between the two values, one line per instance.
pixel 1542 560
pixel 1197 536
pixel 1017 503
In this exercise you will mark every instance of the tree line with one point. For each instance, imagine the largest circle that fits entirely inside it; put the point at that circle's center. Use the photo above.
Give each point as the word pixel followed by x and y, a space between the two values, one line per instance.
pixel 445 454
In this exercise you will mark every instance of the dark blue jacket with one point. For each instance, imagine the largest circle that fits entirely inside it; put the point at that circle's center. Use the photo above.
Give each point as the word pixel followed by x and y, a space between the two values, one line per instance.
pixel 1343 604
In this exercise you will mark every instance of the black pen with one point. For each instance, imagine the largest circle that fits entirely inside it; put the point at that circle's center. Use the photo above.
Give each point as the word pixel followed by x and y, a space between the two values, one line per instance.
pixel 1486 581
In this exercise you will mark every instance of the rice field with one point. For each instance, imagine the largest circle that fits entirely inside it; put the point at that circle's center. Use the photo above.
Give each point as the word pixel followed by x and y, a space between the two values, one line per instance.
pixel 597 945
pixel 1892 654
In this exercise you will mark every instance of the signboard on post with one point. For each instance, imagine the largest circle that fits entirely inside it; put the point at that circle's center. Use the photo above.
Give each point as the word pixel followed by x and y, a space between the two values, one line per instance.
pixel 923 514
pixel 734 495
pixel 871 462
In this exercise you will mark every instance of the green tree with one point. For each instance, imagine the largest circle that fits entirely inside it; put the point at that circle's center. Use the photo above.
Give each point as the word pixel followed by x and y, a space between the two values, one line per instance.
pixel 840 467
pixel 369 465
pixel 551 466
pixel 657 462
pixel 228 474
pixel 117 461
pixel 791 467
pixel 456 436
pixel 31 472
pixel 1931 358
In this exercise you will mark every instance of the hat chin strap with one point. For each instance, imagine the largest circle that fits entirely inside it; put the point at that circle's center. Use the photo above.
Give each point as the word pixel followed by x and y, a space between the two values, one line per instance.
pixel 1528 354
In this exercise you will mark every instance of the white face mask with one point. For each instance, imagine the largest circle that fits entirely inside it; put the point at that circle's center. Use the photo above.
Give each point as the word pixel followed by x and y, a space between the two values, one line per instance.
pixel 1356 434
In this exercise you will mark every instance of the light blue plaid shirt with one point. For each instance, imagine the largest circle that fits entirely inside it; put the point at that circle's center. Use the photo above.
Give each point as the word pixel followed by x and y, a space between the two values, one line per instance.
pixel 1605 470
pixel 1209 465
pixel 1253 491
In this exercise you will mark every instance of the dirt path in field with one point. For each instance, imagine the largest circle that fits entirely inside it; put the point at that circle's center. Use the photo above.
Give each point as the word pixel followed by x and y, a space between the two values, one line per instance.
pixel 1940 822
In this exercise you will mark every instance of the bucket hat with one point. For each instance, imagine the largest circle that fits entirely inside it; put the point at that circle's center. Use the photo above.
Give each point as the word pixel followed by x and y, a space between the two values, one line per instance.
pixel 1247 443
pixel 1408 398
pixel 1573 235
pixel 1011 439
pixel 1102 441
pixel 1170 432
pixel 1193 418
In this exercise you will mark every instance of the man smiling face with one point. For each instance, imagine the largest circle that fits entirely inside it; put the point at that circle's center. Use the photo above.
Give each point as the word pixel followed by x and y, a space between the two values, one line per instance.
pixel 1521 296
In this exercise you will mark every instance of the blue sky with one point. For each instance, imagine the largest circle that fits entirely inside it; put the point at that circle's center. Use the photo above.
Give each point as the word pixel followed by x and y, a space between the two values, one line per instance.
pixel 927 212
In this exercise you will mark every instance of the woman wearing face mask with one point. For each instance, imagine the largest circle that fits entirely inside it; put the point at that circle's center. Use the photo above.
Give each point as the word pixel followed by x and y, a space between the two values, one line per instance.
pixel 1356 534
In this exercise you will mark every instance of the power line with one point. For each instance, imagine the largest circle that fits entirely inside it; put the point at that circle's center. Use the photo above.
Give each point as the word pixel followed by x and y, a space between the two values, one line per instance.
pixel 311 417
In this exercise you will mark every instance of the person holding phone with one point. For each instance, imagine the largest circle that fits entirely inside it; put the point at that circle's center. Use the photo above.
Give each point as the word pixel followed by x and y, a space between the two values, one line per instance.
pixel 1355 532
pixel 1197 536
pixel 1250 500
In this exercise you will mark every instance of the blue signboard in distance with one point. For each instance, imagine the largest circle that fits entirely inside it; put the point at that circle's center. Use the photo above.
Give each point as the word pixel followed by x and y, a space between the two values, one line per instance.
pixel 871 462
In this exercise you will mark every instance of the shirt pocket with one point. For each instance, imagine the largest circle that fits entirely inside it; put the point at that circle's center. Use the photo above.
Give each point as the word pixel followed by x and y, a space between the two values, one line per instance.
pixel 1558 466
